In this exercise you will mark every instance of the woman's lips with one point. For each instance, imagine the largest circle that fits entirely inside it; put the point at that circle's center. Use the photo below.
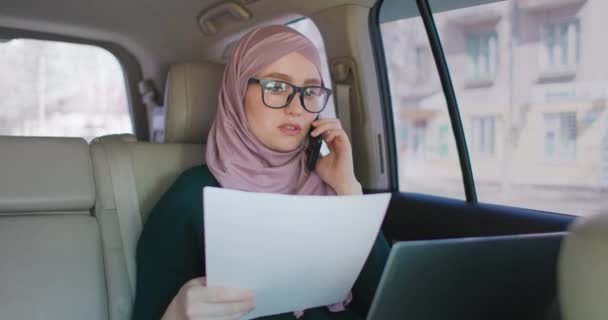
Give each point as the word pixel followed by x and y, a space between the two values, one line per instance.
pixel 290 129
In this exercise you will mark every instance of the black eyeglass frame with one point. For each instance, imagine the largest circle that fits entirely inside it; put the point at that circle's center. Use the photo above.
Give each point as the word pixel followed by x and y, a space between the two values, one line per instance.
pixel 296 89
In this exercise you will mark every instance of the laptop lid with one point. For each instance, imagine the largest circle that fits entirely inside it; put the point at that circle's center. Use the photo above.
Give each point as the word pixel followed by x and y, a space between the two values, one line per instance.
pixel 503 277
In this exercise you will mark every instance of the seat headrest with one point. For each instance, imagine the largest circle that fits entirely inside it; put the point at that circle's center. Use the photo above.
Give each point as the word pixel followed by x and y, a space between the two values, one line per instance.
pixel 191 97
pixel 45 175
pixel 583 269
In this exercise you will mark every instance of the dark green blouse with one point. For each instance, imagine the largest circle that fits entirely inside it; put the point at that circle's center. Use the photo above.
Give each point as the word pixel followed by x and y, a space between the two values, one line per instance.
pixel 170 253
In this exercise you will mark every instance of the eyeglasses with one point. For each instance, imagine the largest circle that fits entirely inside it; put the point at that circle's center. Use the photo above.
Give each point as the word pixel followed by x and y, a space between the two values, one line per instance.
pixel 278 94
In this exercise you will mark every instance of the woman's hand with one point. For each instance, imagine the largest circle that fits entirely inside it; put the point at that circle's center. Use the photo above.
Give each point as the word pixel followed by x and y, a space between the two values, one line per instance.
pixel 196 301
pixel 336 168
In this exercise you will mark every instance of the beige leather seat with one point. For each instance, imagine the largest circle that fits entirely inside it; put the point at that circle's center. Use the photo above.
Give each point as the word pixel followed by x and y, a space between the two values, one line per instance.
pixel 583 270
pixel 51 263
pixel 131 176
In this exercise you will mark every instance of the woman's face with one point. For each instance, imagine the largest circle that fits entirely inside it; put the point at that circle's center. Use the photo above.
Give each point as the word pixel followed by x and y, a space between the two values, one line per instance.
pixel 282 129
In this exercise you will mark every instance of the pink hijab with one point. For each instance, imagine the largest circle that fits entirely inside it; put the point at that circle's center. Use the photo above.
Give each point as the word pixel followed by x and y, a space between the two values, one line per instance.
pixel 234 155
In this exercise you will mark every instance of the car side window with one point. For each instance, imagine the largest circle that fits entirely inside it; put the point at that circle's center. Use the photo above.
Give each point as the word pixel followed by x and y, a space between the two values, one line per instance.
pixel 531 97
pixel 427 157
pixel 52 88
pixel 532 100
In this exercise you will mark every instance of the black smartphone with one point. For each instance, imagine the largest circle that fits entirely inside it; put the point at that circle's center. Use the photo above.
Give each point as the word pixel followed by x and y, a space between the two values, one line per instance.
pixel 313 150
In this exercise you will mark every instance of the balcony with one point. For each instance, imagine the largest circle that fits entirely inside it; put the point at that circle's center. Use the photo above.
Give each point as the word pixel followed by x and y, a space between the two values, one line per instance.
pixel 479 16
pixel 542 5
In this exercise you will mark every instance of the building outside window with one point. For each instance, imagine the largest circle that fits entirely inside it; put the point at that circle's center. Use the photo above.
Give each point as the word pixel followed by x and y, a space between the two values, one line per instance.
pixel 560 136
pixel 560 47
pixel 420 60
pixel 481 56
pixel 483 135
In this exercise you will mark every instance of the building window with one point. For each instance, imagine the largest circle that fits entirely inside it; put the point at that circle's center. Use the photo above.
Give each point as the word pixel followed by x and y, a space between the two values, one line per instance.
pixel 481 57
pixel 560 136
pixel 483 135
pixel 418 139
pixel 420 60
pixel 560 48
pixel 444 135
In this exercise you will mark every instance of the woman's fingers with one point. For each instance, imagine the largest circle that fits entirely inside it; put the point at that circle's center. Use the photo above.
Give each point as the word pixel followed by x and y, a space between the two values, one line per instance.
pixel 227 302
pixel 325 125
pixel 219 302
pixel 196 301
pixel 321 121
pixel 231 317
pixel 205 316
pixel 337 135
pixel 228 309
pixel 216 294
pixel 329 136
pixel 236 316
pixel 196 283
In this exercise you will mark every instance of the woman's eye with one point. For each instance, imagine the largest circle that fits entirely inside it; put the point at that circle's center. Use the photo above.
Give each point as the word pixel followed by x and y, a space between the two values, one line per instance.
pixel 310 93
pixel 275 88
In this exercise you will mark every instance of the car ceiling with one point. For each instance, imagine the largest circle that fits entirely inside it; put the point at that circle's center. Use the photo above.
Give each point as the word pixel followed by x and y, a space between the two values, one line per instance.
pixel 158 33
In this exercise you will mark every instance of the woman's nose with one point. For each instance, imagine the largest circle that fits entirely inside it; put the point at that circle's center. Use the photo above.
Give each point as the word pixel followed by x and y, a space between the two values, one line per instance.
pixel 295 106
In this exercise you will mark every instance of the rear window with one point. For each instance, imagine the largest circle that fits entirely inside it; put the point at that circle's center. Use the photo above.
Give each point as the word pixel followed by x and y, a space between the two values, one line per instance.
pixel 308 28
pixel 52 88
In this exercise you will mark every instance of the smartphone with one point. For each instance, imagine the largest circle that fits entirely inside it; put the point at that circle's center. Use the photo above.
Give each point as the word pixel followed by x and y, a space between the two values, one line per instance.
pixel 313 150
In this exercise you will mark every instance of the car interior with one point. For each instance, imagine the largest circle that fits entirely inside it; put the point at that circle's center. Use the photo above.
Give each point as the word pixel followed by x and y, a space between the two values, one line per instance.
pixel 72 208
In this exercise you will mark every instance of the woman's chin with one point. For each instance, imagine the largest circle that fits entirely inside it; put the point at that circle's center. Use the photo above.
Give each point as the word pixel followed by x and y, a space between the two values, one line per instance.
pixel 285 147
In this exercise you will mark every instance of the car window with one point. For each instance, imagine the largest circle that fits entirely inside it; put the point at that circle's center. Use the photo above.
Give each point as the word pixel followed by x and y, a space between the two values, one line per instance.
pixel 308 28
pixel 427 157
pixel 531 86
pixel 531 95
pixel 52 88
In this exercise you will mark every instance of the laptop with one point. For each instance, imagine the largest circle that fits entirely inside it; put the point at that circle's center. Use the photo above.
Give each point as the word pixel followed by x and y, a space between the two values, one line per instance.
pixel 503 277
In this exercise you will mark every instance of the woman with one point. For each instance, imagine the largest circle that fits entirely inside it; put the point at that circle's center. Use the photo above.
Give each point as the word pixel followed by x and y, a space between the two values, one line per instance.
pixel 269 100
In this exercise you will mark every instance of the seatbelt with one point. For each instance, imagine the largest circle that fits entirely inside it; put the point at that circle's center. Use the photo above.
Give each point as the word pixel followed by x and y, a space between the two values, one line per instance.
pixel 155 111
pixel 343 92
pixel 127 203
pixel 343 75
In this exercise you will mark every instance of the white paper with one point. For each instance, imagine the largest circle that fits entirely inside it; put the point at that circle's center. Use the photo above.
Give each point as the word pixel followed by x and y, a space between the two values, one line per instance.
pixel 295 252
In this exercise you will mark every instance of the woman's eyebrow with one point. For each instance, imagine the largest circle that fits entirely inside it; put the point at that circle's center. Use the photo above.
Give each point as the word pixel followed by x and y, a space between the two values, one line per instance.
pixel 313 81
pixel 280 76
pixel 287 78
